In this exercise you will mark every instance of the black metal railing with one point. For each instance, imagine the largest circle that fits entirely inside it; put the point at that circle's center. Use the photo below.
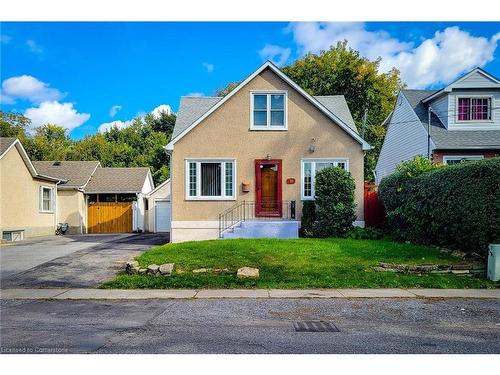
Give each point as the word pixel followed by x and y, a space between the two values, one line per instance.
pixel 248 210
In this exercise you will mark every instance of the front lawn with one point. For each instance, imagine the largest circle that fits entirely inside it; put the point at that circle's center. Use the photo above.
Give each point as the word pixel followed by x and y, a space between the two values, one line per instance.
pixel 300 263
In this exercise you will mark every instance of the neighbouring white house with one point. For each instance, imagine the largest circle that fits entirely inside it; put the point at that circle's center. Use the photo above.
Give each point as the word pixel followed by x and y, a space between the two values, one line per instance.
pixel 464 123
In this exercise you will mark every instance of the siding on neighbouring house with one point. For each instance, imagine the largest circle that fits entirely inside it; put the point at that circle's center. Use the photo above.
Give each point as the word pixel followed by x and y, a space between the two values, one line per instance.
pixel 405 139
pixel 71 209
pixel 163 193
pixel 440 107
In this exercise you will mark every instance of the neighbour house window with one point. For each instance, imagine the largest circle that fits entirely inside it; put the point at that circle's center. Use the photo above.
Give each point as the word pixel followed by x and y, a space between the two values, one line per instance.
pixel 311 167
pixel 473 109
pixel 210 179
pixel 268 111
pixel 46 199
pixel 451 160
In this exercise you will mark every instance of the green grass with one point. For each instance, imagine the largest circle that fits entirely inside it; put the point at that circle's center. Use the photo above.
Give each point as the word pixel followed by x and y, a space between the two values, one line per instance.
pixel 301 263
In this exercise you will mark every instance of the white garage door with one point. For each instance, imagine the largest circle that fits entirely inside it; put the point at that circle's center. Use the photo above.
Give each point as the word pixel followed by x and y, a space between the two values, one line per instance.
pixel 162 216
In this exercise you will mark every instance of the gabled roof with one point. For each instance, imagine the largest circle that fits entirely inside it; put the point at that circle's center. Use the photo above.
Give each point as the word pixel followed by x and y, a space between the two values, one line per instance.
pixel 495 82
pixel 118 180
pixel 167 181
pixel 76 173
pixel 213 103
pixel 449 139
pixel 190 110
pixel 7 143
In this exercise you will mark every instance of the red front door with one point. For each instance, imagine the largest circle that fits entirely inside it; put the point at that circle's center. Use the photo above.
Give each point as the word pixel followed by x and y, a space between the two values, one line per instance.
pixel 268 188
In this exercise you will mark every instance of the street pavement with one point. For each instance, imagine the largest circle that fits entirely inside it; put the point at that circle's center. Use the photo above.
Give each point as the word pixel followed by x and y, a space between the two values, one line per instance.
pixel 252 325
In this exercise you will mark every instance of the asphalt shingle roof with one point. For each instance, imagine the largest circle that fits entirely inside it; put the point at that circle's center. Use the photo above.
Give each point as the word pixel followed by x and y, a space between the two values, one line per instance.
pixel 449 139
pixel 192 108
pixel 5 143
pixel 117 180
pixel 77 173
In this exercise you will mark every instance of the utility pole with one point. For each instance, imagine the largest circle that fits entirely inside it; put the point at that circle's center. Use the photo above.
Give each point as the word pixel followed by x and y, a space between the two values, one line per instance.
pixel 364 123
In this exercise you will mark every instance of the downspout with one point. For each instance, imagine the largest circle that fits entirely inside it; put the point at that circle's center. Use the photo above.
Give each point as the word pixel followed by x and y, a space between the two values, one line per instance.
pixel 56 206
pixel 429 112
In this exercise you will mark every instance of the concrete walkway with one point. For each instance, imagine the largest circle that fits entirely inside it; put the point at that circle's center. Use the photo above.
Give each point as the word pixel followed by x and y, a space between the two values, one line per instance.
pixel 146 294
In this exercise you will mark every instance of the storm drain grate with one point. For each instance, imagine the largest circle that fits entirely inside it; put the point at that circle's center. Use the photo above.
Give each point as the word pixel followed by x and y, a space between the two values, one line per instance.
pixel 315 326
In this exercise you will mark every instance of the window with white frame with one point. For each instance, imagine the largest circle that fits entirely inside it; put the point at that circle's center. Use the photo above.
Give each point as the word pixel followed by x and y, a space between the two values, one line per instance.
pixel 268 110
pixel 46 199
pixel 457 159
pixel 311 167
pixel 210 179
pixel 474 109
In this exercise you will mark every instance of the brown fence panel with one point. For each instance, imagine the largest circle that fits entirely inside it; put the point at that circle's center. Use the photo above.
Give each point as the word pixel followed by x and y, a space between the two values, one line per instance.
pixel 110 217
pixel 374 209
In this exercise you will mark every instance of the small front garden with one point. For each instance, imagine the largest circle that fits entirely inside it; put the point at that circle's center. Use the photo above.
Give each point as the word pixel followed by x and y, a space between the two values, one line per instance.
pixel 301 263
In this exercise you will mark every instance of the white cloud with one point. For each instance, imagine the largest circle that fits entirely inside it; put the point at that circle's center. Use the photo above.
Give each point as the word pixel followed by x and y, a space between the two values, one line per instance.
pixel 118 123
pixel 53 112
pixel 278 55
pixel 114 110
pixel 5 39
pixel 29 88
pixel 33 46
pixel 195 94
pixel 437 60
pixel 209 67
pixel 163 107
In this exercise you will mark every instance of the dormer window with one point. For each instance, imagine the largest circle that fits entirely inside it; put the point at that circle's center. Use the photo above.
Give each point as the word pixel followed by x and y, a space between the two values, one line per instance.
pixel 268 110
pixel 474 109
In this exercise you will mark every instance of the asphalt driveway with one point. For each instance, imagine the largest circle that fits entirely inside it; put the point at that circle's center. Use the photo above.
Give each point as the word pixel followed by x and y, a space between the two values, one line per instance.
pixel 71 261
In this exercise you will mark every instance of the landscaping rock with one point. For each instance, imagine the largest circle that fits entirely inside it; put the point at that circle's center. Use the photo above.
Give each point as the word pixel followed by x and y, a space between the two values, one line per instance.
pixel 458 253
pixel 153 268
pixel 248 272
pixel 142 271
pixel 166 269
pixel 220 270
pixel 132 266
pixel 461 266
pixel 202 270
pixel 384 269
pixel 460 272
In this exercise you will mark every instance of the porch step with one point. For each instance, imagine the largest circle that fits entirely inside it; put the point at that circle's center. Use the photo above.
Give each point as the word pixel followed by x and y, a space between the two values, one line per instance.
pixel 264 229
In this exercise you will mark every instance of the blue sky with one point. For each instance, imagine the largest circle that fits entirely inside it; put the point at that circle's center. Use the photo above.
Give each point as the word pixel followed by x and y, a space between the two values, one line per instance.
pixel 74 73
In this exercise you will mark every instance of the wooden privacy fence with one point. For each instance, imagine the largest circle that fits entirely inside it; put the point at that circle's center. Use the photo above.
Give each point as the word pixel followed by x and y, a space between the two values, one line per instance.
pixel 110 217
pixel 374 209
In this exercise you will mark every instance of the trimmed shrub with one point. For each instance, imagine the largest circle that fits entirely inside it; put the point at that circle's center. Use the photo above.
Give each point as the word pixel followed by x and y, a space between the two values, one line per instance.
pixel 308 218
pixel 335 208
pixel 456 206
pixel 358 233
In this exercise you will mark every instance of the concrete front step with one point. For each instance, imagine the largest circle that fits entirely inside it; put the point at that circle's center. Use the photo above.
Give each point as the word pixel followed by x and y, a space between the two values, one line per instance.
pixel 264 229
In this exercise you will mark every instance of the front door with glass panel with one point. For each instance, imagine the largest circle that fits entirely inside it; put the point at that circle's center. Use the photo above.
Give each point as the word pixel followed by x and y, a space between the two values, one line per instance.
pixel 268 188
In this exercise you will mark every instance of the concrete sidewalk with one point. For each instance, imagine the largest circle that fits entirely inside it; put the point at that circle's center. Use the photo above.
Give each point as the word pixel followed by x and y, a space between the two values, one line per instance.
pixel 138 294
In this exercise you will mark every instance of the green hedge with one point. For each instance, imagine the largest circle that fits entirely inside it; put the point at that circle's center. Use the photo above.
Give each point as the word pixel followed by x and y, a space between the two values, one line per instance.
pixel 455 206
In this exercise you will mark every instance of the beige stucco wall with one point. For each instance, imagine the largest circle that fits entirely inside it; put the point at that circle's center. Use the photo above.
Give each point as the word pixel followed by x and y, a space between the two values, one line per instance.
pixel 163 193
pixel 19 198
pixel 72 210
pixel 225 134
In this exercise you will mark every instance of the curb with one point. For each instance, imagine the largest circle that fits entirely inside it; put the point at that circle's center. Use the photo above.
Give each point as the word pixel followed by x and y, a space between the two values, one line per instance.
pixel 145 294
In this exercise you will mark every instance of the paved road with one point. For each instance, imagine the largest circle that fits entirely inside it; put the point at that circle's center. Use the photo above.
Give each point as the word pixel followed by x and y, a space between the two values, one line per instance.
pixel 251 326
pixel 70 261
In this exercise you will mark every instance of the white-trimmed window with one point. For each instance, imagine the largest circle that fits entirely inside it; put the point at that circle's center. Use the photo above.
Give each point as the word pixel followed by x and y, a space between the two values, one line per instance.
pixel 457 159
pixel 309 168
pixel 473 108
pixel 268 110
pixel 208 179
pixel 46 198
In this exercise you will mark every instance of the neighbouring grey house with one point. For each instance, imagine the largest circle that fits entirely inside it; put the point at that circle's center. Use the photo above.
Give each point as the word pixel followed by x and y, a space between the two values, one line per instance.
pixel 464 123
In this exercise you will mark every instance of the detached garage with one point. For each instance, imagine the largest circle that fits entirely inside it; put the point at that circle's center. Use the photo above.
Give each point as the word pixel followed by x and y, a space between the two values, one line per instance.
pixel 159 209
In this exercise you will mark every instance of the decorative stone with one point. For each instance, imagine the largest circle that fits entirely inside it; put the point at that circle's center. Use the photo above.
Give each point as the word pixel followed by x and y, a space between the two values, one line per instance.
pixel 142 271
pixel 166 269
pixel 248 272
pixel 153 268
pixel 461 266
pixel 202 270
pixel 440 271
pixel 220 270
pixel 132 266
pixel 460 272
pixel 384 269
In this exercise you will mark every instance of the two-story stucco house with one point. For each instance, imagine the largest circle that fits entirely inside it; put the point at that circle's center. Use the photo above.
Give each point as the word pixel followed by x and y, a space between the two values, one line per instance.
pixel 242 165
pixel 464 123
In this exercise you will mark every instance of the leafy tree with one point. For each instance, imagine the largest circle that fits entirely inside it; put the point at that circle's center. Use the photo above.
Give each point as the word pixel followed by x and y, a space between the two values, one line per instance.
pixel 226 90
pixel 13 124
pixel 335 207
pixel 51 142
